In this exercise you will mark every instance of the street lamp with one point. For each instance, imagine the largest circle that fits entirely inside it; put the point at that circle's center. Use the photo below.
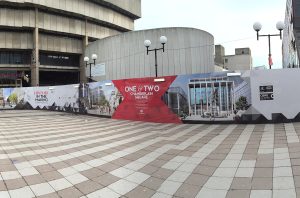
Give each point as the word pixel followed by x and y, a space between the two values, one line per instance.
pixel 86 60
pixel 163 40
pixel 257 27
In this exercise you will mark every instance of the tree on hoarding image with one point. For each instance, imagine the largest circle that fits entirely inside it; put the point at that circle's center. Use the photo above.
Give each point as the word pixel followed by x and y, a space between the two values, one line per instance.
pixel 242 103
pixel 13 98
pixel 103 101
pixel 103 105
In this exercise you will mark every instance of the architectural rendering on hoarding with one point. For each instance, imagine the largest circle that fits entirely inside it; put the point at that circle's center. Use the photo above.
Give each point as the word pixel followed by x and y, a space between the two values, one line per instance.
pixel 251 96
pixel 209 97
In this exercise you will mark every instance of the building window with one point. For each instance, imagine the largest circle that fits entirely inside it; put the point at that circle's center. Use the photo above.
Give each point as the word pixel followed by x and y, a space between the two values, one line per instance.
pixel 15 57
pixel 226 60
pixel 68 60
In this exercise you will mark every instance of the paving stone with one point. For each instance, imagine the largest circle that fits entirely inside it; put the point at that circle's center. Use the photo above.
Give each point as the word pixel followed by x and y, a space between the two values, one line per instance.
pixel 187 190
pixel 263 172
pixel 34 179
pixel 140 190
pixel 70 193
pixel 204 170
pixel 162 173
pixel 241 183
pixel 106 179
pixel 238 193
pixel 196 179
pixel 88 187
pixel 51 195
pixel 92 173
pixel 53 175
pixel 262 183
pixel 152 183
pixel 15 183
pixel 148 169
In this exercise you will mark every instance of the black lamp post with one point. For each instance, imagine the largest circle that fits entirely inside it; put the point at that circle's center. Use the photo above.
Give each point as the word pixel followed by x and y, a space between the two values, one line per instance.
pixel 163 40
pixel 86 60
pixel 257 27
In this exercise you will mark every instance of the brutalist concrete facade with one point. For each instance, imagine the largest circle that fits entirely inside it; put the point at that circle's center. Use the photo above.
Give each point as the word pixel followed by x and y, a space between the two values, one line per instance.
pixel 43 36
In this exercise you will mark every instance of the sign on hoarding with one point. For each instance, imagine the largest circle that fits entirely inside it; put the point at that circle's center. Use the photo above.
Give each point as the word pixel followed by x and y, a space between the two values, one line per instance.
pixel 266 92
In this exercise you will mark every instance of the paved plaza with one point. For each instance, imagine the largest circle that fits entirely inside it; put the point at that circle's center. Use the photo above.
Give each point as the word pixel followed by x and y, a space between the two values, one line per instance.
pixel 52 154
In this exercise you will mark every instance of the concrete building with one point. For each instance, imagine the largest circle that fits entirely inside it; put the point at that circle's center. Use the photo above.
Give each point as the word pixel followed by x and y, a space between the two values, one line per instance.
pixel 219 55
pixel 291 35
pixel 241 60
pixel 45 39
pixel 187 51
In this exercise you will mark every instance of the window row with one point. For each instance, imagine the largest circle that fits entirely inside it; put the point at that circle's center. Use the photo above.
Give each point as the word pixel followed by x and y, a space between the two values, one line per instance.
pixel 53 59
pixel 22 57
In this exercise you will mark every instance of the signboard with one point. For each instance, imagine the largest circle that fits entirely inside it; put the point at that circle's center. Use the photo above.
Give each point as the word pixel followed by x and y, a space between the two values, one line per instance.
pixel 41 96
pixel 268 88
pixel 266 96
pixel 142 100
pixel 98 70
pixel 266 92
pixel 13 75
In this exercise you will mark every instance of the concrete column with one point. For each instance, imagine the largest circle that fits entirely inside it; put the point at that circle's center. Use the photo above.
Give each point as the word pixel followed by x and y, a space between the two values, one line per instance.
pixel 35 62
pixel 85 42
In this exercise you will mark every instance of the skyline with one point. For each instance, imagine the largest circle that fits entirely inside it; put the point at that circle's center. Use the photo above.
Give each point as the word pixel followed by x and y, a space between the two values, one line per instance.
pixel 236 17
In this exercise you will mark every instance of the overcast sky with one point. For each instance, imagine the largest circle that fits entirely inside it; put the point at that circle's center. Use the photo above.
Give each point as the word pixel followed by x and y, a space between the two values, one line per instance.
pixel 229 21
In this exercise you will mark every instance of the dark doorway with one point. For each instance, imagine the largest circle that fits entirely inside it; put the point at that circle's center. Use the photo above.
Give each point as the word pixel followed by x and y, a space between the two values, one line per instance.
pixel 51 78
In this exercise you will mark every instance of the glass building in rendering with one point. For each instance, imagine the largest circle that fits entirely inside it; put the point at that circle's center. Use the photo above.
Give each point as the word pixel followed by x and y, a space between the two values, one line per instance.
pixel 211 97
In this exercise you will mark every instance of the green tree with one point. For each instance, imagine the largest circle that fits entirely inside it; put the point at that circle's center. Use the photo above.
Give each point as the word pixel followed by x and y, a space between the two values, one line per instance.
pixel 103 101
pixel 242 103
pixel 13 98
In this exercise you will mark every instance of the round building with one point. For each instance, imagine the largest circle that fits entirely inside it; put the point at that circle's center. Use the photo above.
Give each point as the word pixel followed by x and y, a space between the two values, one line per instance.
pixel 43 40
pixel 187 51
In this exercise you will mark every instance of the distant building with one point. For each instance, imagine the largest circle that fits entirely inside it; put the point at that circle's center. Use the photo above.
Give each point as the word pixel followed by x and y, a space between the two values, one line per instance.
pixel 291 35
pixel 219 68
pixel 219 55
pixel 241 60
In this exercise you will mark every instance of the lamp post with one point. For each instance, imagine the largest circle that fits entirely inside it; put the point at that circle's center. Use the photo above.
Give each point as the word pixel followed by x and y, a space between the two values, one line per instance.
pixel 257 27
pixel 86 60
pixel 163 40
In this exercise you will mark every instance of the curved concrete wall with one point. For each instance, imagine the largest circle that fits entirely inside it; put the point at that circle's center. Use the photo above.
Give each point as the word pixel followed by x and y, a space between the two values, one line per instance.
pixel 187 51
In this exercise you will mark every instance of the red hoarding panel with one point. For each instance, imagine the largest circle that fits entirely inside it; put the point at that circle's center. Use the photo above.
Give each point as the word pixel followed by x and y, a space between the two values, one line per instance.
pixel 143 100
